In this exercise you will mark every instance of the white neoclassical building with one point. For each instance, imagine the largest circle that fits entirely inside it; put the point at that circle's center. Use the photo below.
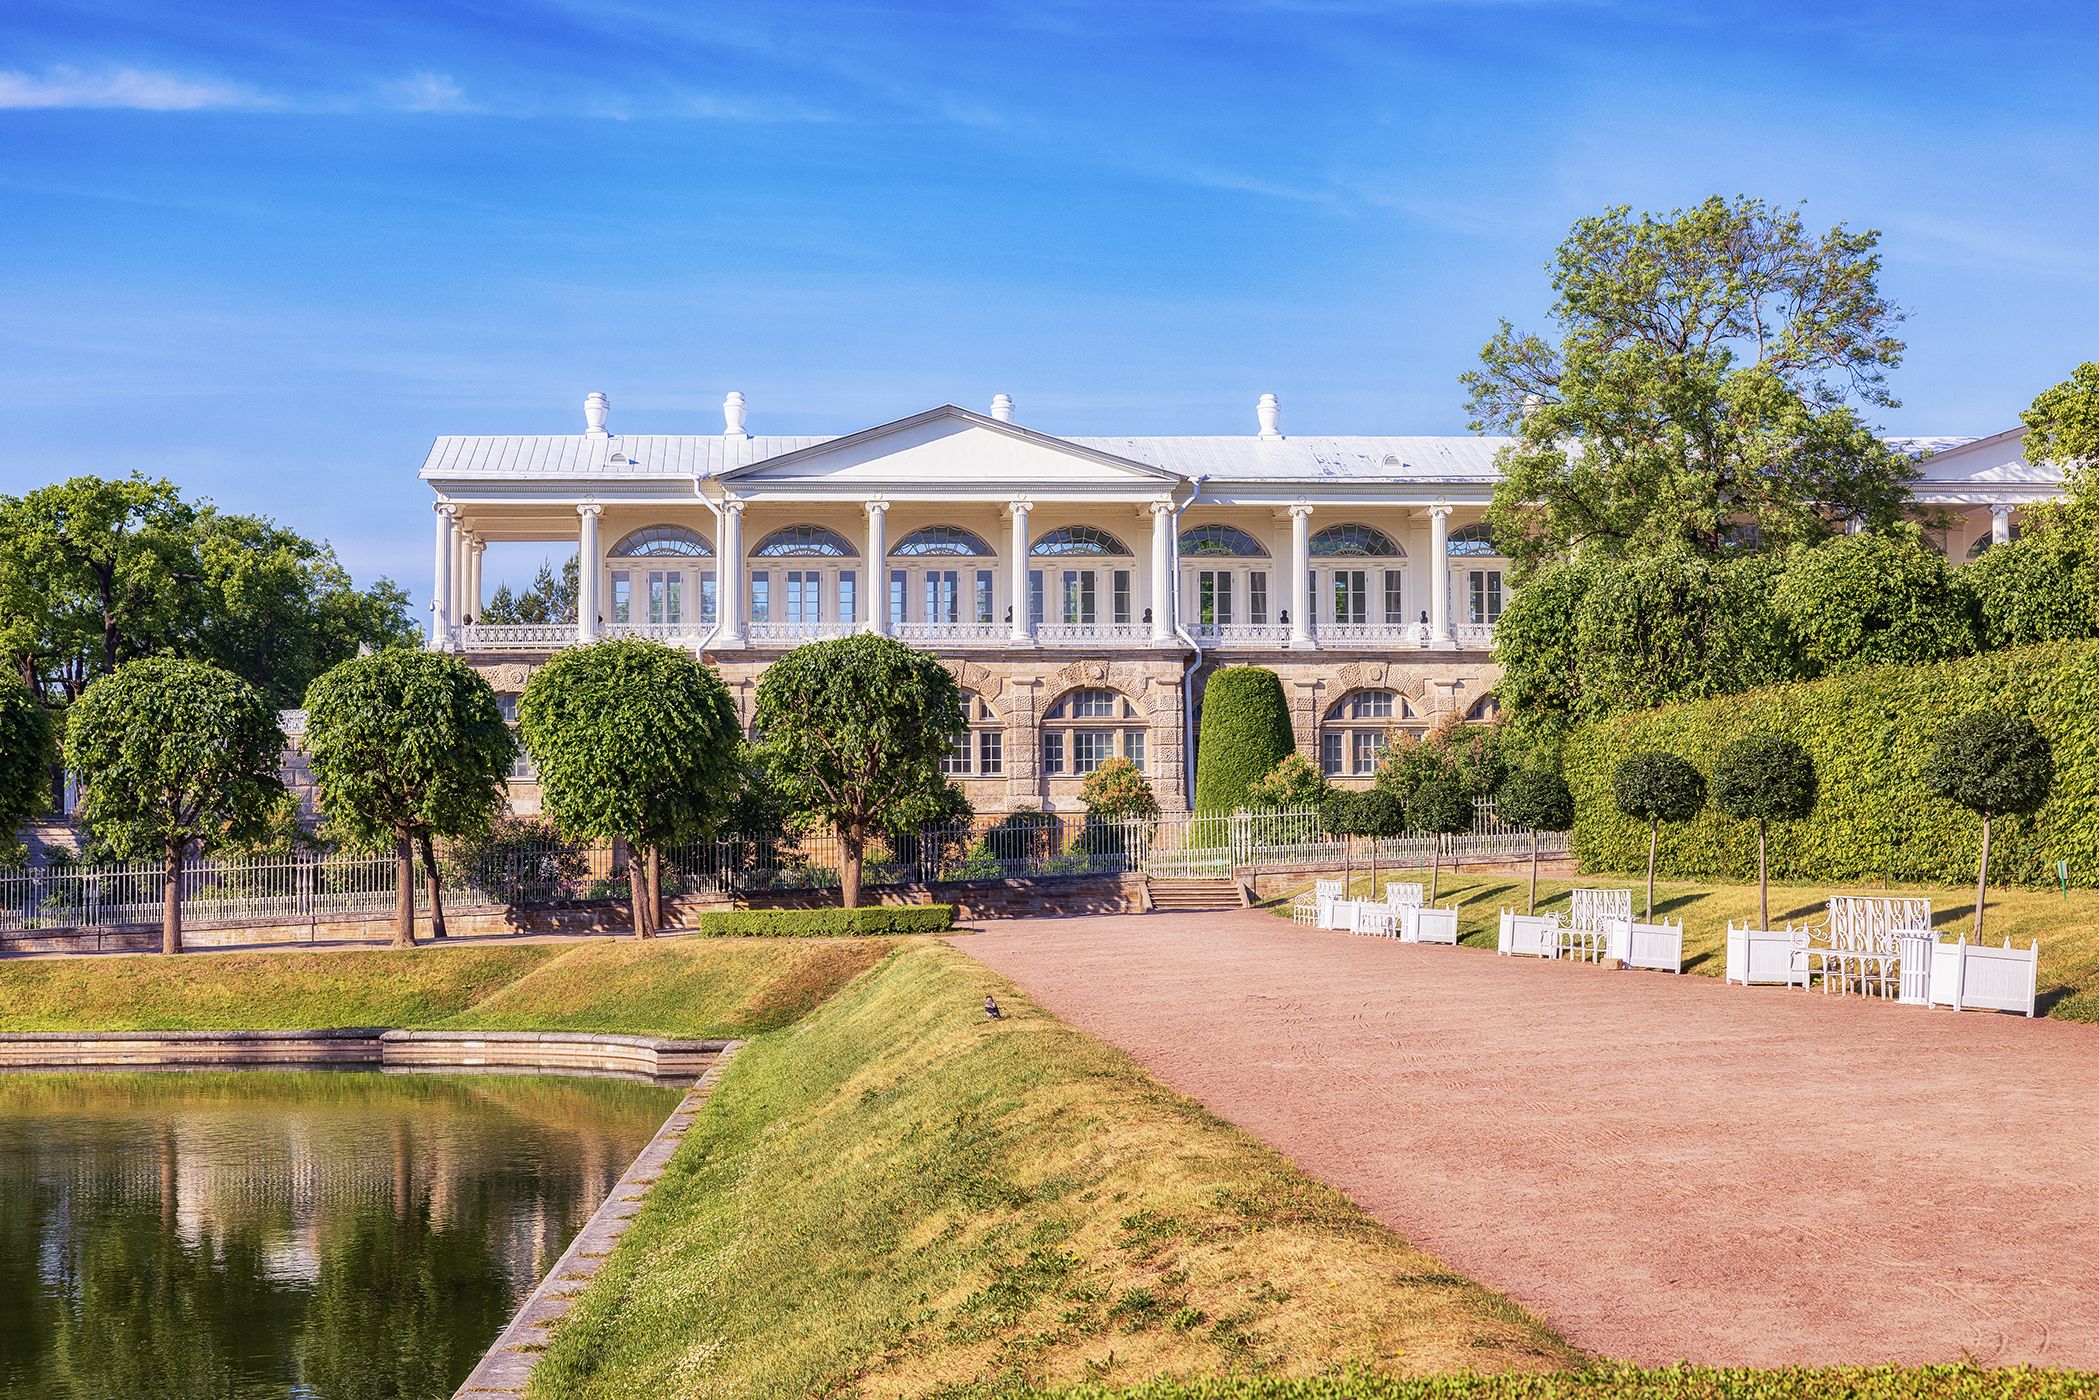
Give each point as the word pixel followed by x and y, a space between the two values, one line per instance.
pixel 1080 588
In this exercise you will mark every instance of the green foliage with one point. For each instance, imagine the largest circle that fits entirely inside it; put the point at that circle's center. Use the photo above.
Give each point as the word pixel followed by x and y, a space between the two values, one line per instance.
pixel 519 859
pixel 1658 787
pixel 26 756
pixel 1993 764
pixel 1765 777
pixel 2063 422
pixel 1024 834
pixel 1245 734
pixel 1862 600
pixel 94 573
pixel 1440 806
pixel 1704 375
pixel 1294 782
pixel 1535 799
pixel 174 752
pixel 828 923
pixel 1116 790
pixel 1469 755
pixel 548 599
pixel 2040 588
pixel 633 740
pixel 1376 812
pixel 406 743
pixel 1870 734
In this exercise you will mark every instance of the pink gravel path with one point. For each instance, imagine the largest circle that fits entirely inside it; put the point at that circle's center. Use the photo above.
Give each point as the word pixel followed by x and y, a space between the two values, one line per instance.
pixel 1661 1167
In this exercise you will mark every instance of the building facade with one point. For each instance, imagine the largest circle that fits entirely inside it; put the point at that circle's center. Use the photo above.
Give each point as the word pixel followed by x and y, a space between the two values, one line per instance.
pixel 1081 589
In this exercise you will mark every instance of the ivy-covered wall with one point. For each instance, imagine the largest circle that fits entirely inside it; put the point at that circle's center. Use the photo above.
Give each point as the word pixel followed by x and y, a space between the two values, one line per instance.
pixel 1870 733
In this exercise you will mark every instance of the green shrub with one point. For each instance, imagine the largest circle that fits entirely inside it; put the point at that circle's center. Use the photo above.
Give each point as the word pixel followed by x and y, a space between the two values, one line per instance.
pixel 1870 734
pixel 827 923
pixel 1865 600
pixel 1245 734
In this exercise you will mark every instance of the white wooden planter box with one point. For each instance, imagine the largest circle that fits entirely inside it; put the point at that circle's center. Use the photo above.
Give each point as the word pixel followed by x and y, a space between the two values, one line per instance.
pixel 1765 957
pixel 1418 925
pixel 1970 977
pixel 1528 935
pixel 1657 947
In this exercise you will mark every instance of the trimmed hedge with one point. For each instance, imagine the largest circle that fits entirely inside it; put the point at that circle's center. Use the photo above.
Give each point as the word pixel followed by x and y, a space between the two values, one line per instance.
pixel 1606 1382
pixel 1870 734
pixel 1245 733
pixel 827 923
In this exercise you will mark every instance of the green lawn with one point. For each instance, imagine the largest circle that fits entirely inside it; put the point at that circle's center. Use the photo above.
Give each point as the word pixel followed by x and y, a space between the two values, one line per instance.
pixel 2067 929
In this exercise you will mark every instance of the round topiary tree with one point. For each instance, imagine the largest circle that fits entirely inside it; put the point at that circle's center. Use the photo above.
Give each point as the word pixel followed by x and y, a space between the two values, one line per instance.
pixel 1293 782
pixel 1654 788
pixel 1994 765
pixel 635 742
pixel 1245 734
pixel 1535 799
pixel 1117 797
pixel 854 730
pixel 1764 778
pixel 408 746
pixel 1338 817
pixel 174 754
pixel 25 760
pixel 1440 806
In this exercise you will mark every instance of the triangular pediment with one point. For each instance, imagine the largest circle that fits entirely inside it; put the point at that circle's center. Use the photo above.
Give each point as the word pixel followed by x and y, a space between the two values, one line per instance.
pixel 950 447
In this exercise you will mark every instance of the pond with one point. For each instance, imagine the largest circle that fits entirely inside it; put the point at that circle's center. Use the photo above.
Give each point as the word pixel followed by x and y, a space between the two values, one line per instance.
pixel 319 1234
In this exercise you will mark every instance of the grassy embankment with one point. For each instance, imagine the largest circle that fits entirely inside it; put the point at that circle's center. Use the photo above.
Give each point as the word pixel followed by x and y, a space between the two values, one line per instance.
pixel 2068 929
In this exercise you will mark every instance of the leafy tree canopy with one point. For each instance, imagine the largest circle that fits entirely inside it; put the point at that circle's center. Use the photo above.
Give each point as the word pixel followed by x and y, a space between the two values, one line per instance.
pixel 1535 799
pixel 407 742
pixel 1116 791
pixel 1764 777
pixel 1467 754
pixel 25 761
pixel 1865 599
pixel 1991 763
pixel 632 740
pixel 2064 421
pixel 1441 806
pixel 1658 787
pixel 95 572
pixel 1705 377
pixel 1293 782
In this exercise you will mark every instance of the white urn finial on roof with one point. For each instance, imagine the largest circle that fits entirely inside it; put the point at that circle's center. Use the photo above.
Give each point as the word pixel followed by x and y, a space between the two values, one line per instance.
pixel 596 409
pixel 1270 411
pixel 734 413
pixel 1002 407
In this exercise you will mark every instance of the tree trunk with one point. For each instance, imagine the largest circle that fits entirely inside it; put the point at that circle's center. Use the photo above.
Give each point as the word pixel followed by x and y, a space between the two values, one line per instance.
pixel 1435 867
pixel 404 890
pixel 171 899
pixel 1348 859
pixel 1763 882
pixel 1982 877
pixel 1654 839
pixel 852 840
pixel 637 890
pixel 435 883
pixel 1373 867
pixel 655 890
pixel 1534 872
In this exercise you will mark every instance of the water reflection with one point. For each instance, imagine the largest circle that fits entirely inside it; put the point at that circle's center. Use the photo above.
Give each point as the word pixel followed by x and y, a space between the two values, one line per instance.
pixel 340 1236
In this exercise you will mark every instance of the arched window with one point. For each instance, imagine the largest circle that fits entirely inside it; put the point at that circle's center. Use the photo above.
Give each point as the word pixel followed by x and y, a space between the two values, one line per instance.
pixel 661 541
pixel 1357 731
pixel 1220 541
pixel 1986 539
pixel 1474 540
pixel 1484 710
pixel 942 540
pixel 1355 542
pixel 980 748
pixel 1086 728
pixel 805 541
pixel 1078 539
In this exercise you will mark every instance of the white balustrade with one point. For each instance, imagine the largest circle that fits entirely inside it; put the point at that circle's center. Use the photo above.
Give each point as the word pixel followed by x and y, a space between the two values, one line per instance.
pixel 1115 634
pixel 528 636
pixel 953 633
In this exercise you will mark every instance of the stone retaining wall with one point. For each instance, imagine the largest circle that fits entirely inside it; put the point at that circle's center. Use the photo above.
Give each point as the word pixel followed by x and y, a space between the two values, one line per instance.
pixel 386 1049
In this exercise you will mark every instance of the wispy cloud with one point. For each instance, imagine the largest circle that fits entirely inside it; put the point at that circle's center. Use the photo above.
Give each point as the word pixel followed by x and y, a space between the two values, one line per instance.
pixel 132 88
pixel 425 92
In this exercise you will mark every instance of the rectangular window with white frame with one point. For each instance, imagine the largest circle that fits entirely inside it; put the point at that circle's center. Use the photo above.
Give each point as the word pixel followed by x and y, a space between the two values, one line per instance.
pixel 1257 597
pixel 987 596
pixel 1395 597
pixel 848 597
pixel 761 595
pixel 1121 596
pixel 622 596
pixel 1330 754
pixel 710 596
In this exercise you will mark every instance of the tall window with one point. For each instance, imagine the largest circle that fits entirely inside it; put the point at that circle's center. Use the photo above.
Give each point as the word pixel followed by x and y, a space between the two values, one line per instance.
pixel 943 595
pixel 979 750
pixel 522 769
pixel 1348 587
pixel 622 596
pixel 666 597
pixel 1483 595
pixel 1086 728
pixel 805 595
pixel 986 595
pixel 662 587
pixel 1358 729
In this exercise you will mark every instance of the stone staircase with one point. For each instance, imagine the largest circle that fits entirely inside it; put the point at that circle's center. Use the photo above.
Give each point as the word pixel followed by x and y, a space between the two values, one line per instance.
pixel 1193 896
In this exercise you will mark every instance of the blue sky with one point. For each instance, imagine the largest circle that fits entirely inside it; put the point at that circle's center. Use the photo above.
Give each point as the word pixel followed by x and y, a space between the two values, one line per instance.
pixel 270 251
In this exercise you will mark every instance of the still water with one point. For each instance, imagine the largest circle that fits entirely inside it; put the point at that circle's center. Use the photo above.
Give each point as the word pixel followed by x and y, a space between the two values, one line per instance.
pixel 328 1235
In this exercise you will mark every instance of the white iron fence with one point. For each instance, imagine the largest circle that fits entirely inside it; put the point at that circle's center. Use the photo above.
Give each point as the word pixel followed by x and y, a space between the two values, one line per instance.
pixel 1020 845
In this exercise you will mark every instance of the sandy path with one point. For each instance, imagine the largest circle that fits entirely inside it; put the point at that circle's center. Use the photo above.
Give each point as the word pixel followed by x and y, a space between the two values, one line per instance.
pixel 1662 1167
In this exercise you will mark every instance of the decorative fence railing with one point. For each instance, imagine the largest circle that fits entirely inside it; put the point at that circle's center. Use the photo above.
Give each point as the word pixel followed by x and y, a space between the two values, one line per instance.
pixel 1022 845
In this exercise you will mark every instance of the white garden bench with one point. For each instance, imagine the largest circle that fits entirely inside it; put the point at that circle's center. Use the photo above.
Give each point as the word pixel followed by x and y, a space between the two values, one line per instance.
pixel 1399 892
pixel 1316 908
pixel 1859 948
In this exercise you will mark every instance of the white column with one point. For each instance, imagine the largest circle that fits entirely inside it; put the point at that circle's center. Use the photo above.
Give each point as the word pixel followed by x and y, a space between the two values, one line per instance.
pixel 1022 629
pixel 1300 594
pixel 1439 574
pixel 590 565
pixel 441 582
pixel 876 589
pixel 729 587
pixel 473 579
pixel 461 553
pixel 1162 571
pixel 2000 525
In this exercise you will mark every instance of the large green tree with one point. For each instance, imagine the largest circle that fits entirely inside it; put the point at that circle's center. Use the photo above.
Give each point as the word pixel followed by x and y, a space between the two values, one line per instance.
pixel 174 754
pixel 407 746
pixel 25 761
pixel 853 730
pixel 95 572
pixel 637 742
pixel 1705 374
pixel 2063 422
pixel 549 598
